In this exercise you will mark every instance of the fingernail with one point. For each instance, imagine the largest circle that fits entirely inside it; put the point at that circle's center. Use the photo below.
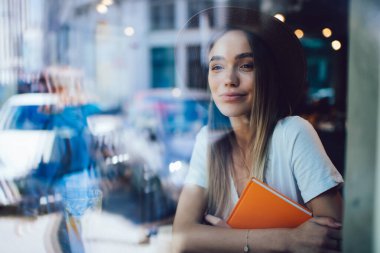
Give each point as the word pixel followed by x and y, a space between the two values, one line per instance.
pixel 338 224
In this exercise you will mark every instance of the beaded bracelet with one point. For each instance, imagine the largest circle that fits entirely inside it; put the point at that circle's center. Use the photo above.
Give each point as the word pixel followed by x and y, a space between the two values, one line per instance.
pixel 246 247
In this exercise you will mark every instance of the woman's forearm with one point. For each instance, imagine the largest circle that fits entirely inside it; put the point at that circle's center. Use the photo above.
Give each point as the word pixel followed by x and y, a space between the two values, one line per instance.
pixel 189 235
pixel 204 238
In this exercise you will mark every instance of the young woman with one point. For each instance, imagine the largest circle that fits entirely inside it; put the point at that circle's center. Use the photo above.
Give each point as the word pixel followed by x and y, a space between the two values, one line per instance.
pixel 255 75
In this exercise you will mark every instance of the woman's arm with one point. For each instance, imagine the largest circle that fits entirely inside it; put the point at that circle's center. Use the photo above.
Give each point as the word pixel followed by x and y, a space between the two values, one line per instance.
pixel 327 212
pixel 317 178
pixel 327 204
pixel 189 235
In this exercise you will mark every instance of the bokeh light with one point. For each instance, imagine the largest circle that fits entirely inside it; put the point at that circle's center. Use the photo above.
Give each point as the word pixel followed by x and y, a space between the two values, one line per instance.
pixel 280 17
pixel 299 33
pixel 327 32
pixel 101 8
pixel 336 45
pixel 129 31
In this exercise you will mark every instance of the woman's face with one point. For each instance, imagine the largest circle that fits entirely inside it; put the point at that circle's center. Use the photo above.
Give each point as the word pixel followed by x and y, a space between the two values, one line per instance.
pixel 231 74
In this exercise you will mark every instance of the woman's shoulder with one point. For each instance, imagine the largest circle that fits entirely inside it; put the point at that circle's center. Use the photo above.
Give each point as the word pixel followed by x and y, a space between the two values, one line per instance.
pixel 290 128
pixel 202 132
pixel 207 135
pixel 293 122
pixel 201 137
pixel 293 125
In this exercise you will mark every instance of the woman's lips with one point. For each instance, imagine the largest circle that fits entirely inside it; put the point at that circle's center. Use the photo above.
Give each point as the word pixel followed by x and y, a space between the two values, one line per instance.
pixel 232 96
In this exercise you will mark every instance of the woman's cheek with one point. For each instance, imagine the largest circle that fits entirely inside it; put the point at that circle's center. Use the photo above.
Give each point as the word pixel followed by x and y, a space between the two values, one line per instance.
pixel 214 97
pixel 213 86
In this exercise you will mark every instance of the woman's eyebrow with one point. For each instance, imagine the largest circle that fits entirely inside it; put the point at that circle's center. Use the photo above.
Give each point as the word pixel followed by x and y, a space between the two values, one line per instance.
pixel 237 57
pixel 244 55
pixel 216 58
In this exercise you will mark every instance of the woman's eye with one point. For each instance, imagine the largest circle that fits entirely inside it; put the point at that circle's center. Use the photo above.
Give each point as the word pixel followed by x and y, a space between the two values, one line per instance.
pixel 216 67
pixel 247 67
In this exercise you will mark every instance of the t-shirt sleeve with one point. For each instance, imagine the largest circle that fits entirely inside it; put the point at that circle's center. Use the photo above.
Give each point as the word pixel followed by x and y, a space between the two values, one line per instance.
pixel 313 169
pixel 197 173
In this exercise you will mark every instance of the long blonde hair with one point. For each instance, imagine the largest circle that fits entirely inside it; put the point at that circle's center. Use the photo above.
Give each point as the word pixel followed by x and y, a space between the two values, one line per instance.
pixel 268 107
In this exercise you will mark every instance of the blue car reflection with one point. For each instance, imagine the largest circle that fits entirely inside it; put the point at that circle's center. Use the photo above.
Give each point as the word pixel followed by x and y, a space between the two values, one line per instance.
pixel 42 142
pixel 155 147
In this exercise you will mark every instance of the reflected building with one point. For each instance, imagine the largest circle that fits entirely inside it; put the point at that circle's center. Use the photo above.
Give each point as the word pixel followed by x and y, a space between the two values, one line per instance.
pixel 21 44
pixel 128 45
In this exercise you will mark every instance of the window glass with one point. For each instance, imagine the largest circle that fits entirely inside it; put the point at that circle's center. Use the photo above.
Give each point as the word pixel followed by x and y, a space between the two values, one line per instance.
pixel 162 15
pixel 319 70
pixel 195 6
pixel 196 75
pixel 163 73
pixel 253 4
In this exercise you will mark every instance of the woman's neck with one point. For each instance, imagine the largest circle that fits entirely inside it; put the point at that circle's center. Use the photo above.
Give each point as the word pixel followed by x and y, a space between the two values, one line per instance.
pixel 242 131
pixel 241 166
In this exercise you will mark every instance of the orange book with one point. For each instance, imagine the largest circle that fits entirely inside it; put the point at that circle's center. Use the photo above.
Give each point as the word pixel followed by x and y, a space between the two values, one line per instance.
pixel 260 206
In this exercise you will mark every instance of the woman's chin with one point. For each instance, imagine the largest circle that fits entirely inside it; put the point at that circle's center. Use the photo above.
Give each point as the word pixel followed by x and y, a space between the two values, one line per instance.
pixel 228 112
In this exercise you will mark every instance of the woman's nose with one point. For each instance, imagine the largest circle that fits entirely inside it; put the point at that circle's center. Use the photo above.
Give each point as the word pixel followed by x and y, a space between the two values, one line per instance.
pixel 231 78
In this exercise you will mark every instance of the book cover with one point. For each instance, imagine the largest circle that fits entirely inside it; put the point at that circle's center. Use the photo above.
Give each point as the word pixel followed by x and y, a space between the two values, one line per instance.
pixel 260 206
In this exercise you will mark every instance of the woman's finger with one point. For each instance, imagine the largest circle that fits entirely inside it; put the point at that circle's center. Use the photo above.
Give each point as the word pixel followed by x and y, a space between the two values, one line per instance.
pixel 216 221
pixel 326 221
pixel 334 234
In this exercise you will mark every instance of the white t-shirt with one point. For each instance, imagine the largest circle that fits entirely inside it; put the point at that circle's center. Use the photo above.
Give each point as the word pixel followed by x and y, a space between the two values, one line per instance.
pixel 297 164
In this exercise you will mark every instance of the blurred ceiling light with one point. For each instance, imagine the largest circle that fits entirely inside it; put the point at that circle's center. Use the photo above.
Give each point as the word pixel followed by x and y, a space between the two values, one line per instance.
pixel 125 157
pixel 101 8
pixel 176 92
pixel 129 31
pixel 115 159
pixel 327 32
pixel 336 45
pixel 107 2
pixel 175 166
pixel 299 33
pixel 280 17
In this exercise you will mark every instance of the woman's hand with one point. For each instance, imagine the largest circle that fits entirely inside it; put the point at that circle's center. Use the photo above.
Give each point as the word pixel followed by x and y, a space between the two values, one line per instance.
pixel 319 234
pixel 216 221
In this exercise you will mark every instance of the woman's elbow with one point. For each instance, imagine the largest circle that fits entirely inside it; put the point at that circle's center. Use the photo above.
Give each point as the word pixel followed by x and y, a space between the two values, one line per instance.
pixel 179 242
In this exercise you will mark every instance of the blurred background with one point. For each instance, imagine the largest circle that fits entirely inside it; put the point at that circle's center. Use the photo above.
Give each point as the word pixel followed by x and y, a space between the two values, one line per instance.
pixel 100 101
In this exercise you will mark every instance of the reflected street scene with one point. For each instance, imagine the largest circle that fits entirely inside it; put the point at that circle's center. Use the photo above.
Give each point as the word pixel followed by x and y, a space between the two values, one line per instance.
pixel 101 102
